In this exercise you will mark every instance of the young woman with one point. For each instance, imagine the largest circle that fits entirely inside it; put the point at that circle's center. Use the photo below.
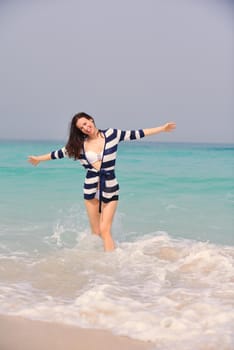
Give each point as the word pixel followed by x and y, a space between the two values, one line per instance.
pixel 96 150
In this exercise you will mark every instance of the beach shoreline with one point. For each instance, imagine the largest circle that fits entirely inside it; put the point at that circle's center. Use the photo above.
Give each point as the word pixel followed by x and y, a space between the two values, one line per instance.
pixel 18 333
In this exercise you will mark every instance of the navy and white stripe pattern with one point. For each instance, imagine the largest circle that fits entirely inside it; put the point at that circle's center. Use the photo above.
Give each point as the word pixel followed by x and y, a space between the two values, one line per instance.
pixel 103 180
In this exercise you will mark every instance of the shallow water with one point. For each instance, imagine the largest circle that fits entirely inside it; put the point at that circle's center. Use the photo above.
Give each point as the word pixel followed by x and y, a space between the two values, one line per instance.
pixel 170 280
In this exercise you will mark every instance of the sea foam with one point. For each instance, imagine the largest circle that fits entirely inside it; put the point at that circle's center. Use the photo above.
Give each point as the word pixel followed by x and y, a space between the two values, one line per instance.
pixel 159 289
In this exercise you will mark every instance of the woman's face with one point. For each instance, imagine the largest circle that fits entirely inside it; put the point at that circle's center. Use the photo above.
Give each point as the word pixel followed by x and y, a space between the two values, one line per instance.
pixel 86 126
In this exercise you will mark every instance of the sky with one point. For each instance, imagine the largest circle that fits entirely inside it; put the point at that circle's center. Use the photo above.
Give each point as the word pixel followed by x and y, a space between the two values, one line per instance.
pixel 129 63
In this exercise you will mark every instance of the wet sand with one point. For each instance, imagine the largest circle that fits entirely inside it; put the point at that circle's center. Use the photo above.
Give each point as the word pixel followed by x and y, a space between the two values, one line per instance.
pixel 17 333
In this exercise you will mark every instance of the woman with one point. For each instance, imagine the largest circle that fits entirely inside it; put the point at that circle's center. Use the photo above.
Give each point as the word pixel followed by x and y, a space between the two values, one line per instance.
pixel 96 150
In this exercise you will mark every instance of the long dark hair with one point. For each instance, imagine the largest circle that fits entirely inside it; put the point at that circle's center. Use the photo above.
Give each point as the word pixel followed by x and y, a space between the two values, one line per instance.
pixel 76 137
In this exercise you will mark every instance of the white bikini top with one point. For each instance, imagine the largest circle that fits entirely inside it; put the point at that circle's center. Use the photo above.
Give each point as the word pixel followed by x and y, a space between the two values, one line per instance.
pixel 93 157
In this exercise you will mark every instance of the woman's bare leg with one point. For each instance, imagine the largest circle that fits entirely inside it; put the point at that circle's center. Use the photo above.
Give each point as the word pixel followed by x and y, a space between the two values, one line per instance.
pixel 92 207
pixel 106 219
pixel 101 223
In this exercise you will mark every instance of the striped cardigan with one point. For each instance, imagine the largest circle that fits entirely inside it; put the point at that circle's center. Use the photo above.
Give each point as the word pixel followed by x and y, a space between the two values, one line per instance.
pixel 103 180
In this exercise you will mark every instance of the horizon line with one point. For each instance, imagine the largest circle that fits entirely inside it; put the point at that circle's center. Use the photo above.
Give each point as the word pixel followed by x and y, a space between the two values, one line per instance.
pixel 140 141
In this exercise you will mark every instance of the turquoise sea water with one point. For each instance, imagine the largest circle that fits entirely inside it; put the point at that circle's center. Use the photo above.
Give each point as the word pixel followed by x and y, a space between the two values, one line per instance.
pixel 172 270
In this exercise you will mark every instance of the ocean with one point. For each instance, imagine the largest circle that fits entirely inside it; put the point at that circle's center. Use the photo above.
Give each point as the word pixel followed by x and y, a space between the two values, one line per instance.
pixel 170 280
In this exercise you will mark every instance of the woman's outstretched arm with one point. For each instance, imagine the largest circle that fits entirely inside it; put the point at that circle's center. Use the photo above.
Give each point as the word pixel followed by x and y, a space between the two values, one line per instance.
pixel 164 128
pixel 35 160
pixel 60 153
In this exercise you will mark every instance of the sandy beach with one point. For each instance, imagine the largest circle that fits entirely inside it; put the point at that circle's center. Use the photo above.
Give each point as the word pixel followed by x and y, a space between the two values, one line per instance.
pixel 17 333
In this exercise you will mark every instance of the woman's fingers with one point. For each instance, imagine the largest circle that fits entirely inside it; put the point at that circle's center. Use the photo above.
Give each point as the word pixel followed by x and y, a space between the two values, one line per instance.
pixel 170 126
pixel 33 160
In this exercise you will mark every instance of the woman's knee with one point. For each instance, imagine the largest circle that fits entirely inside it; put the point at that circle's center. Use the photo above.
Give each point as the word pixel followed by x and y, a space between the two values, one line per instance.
pixel 104 229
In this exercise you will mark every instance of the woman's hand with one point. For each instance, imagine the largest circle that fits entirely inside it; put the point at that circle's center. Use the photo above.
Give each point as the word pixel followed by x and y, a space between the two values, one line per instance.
pixel 169 126
pixel 33 160
pixel 163 128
